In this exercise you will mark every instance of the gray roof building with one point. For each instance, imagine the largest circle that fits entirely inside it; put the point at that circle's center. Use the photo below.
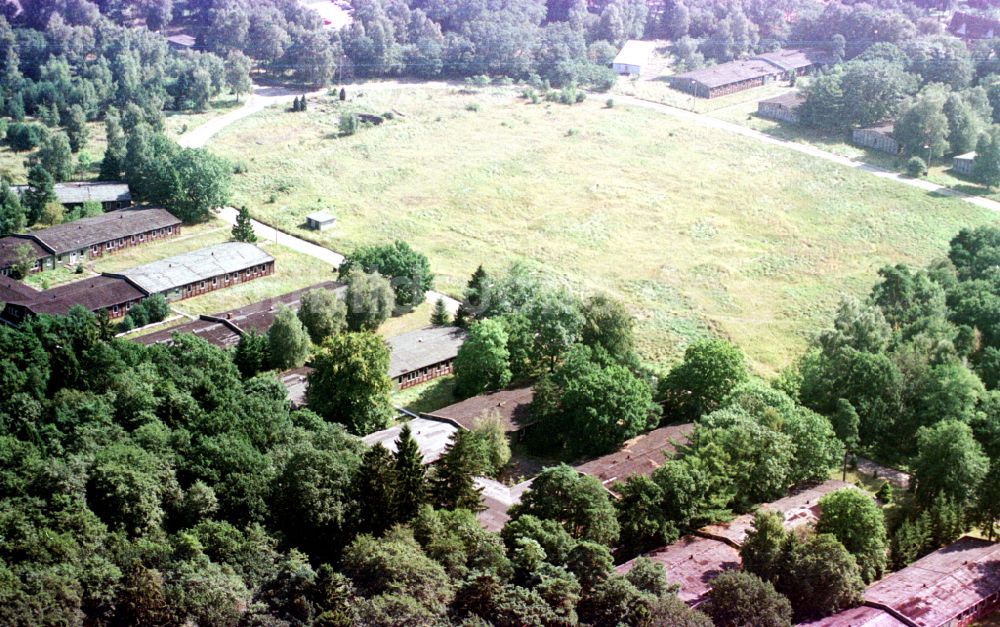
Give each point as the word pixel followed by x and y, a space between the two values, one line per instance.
pixel 77 193
pixel 423 348
pixel 432 437
pixel 200 265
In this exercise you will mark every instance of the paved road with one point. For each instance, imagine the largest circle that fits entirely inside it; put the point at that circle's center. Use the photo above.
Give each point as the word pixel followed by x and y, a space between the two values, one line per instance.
pixel 812 151
pixel 266 233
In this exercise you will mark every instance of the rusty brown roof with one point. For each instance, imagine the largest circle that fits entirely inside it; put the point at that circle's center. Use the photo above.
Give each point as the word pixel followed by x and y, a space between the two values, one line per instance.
pixel 938 587
pixel 220 329
pixel 513 406
pixel 94 294
pixel 799 508
pixel 862 616
pixel 639 456
pixel 497 498
pixel 422 348
pixel 691 563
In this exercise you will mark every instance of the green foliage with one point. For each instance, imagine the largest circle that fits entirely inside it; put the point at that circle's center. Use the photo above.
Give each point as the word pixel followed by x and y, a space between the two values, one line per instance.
pixel 323 314
pixel 588 393
pixel 243 229
pixel 739 598
pixel 452 486
pixel 986 166
pixel 857 522
pixel 349 123
pixel 370 300
pixel 237 70
pixel 696 386
pixel 56 156
pixel 24 137
pixel 288 342
pixel 39 193
pixel 252 354
pixel 349 384
pixel 579 503
pixel 483 360
pixel 411 480
pixel 12 218
pixel 76 128
pixel 922 128
pixel 440 315
pixel 916 167
pixel 822 578
pixel 949 461
pixel 606 323
pixel 408 270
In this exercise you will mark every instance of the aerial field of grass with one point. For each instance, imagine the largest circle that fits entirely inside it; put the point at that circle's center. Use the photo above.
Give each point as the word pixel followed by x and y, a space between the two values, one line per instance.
pixel 697 230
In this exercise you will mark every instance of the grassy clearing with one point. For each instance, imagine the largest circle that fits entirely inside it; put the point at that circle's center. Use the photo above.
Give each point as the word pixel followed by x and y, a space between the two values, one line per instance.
pixel 744 113
pixel 179 122
pixel 698 230
pixel 427 397
pixel 13 168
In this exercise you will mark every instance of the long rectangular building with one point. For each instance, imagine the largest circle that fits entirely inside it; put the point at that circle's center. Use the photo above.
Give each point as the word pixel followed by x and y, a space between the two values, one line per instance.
pixel 86 238
pixel 176 278
pixel 424 354
pixel 201 271
pixel 727 78
pixel 110 195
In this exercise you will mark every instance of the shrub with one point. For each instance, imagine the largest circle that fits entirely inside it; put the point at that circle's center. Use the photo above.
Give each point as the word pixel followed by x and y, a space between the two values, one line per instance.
pixel 472 106
pixel 916 167
pixel 348 123
pixel 610 104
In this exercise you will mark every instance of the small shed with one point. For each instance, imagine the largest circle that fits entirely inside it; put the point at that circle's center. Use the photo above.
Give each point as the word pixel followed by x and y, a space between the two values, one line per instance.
pixel 320 221
pixel 633 56
pixel 963 163
pixel 181 41
pixel 878 138
pixel 784 107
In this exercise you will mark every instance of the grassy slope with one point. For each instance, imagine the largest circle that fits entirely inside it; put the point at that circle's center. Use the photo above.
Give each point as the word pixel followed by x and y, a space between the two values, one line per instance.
pixel 696 229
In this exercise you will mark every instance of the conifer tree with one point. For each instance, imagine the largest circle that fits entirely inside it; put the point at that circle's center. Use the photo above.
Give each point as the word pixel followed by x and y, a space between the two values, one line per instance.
pixel 39 193
pixel 303 106
pixel 374 490
pixel 452 485
pixel 243 229
pixel 411 480
pixel 343 94
pixel 11 212
pixel 474 289
pixel 440 314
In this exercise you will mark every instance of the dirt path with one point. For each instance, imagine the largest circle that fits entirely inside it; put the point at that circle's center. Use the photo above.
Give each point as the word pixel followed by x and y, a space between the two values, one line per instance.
pixel 812 151
pixel 267 233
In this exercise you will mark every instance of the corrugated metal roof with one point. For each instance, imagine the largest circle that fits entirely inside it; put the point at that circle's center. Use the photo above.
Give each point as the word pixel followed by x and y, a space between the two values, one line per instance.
pixel 422 348
pixel 795 58
pixel 321 216
pixel 728 73
pixel 857 617
pixel 432 437
pixel 691 563
pixel 81 192
pixel 790 100
pixel 513 406
pixel 639 456
pixel 113 225
pixel 167 274
pixel 497 498
pixel 635 52
pixel 940 586
pixel 799 508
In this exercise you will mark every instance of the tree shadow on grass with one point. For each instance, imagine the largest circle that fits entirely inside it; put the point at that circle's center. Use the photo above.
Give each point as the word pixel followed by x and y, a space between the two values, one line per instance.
pixel 427 397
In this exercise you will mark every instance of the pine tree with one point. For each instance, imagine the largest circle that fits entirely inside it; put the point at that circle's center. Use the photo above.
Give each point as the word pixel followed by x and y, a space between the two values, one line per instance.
pixel 303 106
pixel 374 490
pixel 411 480
pixel 343 94
pixel 11 212
pixel 243 229
pixel 39 193
pixel 440 315
pixel 452 485
pixel 474 290
pixel 114 155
